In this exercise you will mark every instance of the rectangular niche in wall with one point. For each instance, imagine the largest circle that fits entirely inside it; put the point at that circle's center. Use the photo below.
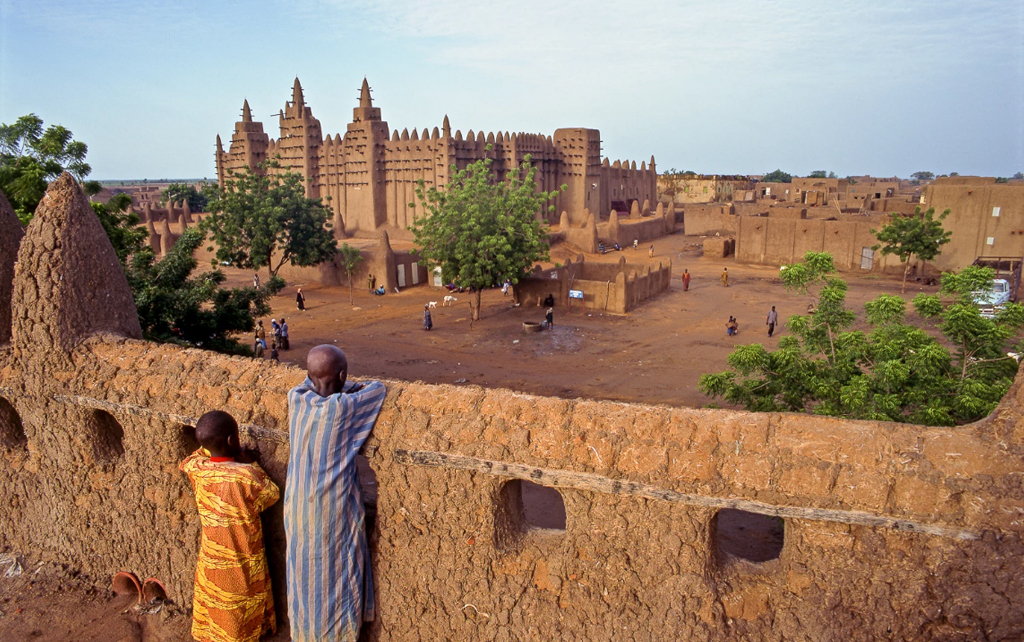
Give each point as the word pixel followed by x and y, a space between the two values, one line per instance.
pixel 750 536
pixel 525 507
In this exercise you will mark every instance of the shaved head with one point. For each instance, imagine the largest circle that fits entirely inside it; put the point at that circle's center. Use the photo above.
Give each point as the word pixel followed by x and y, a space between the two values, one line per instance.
pixel 327 367
pixel 217 431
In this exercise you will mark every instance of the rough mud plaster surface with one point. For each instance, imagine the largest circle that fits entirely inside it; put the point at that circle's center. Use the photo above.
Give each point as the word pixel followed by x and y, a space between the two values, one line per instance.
pixel 10 238
pixel 68 276
pixel 625 567
pixel 451 562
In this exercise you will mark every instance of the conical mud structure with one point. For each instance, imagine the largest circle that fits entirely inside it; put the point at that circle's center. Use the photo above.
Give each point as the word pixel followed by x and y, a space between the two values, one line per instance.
pixel 68 279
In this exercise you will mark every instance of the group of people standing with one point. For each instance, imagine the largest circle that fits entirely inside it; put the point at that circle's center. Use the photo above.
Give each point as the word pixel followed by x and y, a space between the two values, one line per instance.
pixel 279 338
pixel 327 556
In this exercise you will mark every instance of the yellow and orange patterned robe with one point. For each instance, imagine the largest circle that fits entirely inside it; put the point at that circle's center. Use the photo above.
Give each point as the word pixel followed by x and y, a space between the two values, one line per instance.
pixel 232 601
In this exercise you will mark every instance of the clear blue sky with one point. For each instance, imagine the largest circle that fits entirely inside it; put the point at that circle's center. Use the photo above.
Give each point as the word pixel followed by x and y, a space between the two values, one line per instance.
pixel 732 86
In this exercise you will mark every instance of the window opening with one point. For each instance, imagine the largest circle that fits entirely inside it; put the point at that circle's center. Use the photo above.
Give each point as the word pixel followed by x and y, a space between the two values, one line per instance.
pixel 753 537
pixel 523 507
pixel 107 437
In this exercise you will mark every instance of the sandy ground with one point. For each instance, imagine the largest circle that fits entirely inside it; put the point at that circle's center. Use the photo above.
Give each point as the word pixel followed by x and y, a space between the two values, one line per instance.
pixel 654 354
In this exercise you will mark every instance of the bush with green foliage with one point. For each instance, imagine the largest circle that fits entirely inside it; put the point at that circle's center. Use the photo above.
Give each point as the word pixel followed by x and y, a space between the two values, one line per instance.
pixel 197 199
pixel 778 176
pixel 176 306
pixel 481 231
pixel 893 372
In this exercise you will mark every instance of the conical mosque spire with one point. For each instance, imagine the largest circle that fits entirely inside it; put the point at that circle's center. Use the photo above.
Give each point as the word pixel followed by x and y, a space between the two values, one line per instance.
pixel 246 113
pixel 297 92
pixel 364 95
pixel 446 128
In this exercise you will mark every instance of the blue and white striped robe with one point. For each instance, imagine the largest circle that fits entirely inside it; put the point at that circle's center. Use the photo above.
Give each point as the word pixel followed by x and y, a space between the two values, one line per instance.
pixel 330 586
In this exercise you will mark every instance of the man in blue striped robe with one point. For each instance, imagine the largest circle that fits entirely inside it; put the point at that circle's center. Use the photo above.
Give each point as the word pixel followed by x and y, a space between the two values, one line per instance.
pixel 330 586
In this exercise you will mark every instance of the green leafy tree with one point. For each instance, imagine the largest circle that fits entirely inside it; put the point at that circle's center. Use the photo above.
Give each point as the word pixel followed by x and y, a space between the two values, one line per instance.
pixel 922 176
pixel 178 193
pixel 818 173
pixel 1019 175
pixel 895 371
pixel 920 235
pixel 480 230
pixel 176 306
pixel 31 157
pixel 778 176
pixel 265 220
pixel 350 258
pixel 173 305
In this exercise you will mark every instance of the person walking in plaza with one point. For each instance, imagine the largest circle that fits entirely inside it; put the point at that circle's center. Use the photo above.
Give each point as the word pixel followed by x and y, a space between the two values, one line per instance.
pixel 300 299
pixel 261 334
pixel 725 277
pixel 231 599
pixel 636 243
pixel 284 343
pixel 327 557
pixel 371 283
pixel 256 281
pixel 427 322
pixel 549 318
pixel 686 280
pixel 650 252
pixel 773 318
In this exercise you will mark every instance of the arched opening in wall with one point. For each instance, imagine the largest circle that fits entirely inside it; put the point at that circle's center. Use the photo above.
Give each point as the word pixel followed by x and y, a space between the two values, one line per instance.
pixel 524 506
pixel 12 433
pixel 753 537
pixel 107 437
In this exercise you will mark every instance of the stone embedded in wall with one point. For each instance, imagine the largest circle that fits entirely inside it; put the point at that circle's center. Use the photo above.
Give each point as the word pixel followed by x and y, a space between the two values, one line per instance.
pixel 67 261
pixel 10 238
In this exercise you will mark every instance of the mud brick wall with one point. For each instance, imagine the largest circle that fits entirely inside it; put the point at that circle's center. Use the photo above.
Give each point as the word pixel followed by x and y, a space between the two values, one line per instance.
pixel 892 531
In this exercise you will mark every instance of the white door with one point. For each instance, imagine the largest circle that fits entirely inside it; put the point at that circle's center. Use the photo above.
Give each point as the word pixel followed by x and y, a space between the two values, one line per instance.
pixel 401 276
pixel 415 273
pixel 867 258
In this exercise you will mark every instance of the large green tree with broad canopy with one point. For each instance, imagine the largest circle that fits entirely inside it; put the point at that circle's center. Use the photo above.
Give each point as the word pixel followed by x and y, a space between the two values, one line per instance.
pixel 263 219
pixel 917 234
pixel 481 230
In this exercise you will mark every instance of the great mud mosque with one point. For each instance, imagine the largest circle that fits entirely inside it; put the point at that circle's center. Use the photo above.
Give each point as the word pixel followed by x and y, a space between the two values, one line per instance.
pixel 369 174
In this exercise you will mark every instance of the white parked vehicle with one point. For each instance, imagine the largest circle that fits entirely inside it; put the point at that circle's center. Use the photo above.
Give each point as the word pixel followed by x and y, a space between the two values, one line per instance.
pixel 991 301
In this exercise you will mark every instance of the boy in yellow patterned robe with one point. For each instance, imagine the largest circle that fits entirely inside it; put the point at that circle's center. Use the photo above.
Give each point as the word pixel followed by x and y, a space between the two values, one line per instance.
pixel 232 600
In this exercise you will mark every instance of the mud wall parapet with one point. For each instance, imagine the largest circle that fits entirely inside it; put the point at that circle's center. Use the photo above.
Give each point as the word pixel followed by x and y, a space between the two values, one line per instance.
pixel 891 531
